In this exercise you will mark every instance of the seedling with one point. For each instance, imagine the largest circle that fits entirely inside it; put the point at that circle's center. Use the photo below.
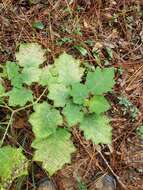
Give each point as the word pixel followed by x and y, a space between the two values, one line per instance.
pixel 81 185
pixel 38 25
pixel 64 40
pixel 81 49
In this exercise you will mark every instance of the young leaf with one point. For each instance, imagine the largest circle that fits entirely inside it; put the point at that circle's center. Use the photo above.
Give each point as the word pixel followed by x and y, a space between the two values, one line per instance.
pixel 97 129
pixel 79 92
pixel 19 97
pixel 109 53
pixel 81 49
pixel 13 74
pixel 73 113
pixel 97 104
pixel 13 164
pixel 69 69
pixel 30 55
pixel 59 93
pixel 38 25
pixel 100 81
pixel 55 151
pixel 96 55
pixel 30 75
pixel 44 120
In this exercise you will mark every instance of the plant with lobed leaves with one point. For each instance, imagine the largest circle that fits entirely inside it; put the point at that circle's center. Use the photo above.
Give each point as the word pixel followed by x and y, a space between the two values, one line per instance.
pixel 76 100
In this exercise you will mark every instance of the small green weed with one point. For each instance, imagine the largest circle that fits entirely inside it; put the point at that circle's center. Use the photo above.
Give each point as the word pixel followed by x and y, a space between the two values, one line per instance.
pixel 109 52
pixel 65 40
pixel 81 49
pixel 81 185
pixel 38 25
pixel 96 55
pixel 140 132
pixel 89 42
pixel 128 107
pixel 77 30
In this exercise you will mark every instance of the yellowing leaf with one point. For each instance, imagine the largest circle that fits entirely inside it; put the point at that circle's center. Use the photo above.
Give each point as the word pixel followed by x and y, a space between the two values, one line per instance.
pixel 100 81
pixel 13 164
pixel 55 151
pixel 68 69
pixel 44 120
pixel 97 104
pixel 97 129
pixel 59 93
pixel 30 55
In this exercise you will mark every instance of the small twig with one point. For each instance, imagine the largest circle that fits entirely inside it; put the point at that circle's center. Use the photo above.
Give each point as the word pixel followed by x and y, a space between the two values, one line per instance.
pixel 82 144
pixel 15 111
pixel 116 176
pixel 7 107
pixel 30 105
pixel 134 76
pixel 7 128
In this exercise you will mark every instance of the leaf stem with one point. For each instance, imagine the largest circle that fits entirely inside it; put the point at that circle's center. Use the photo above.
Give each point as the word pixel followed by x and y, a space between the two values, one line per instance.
pixel 7 128
pixel 116 176
pixel 17 110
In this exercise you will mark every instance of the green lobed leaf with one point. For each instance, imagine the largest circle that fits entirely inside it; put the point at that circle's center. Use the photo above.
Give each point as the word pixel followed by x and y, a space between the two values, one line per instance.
pixel 55 151
pixel 72 113
pixel 13 164
pixel 30 75
pixel 59 93
pixel 97 104
pixel 100 81
pixel 79 92
pixel 19 97
pixel 48 76
pixel 68 69
pixel 97 129
pixel 30 55
pixel 13 74
pixel 44 120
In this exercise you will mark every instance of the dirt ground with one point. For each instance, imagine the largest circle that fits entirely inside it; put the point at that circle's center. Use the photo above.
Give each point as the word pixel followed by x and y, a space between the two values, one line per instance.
pixel 91 24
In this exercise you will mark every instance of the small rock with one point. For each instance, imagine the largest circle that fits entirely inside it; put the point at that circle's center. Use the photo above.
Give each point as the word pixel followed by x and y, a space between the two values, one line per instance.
pixel 106 182
pixel 46 185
